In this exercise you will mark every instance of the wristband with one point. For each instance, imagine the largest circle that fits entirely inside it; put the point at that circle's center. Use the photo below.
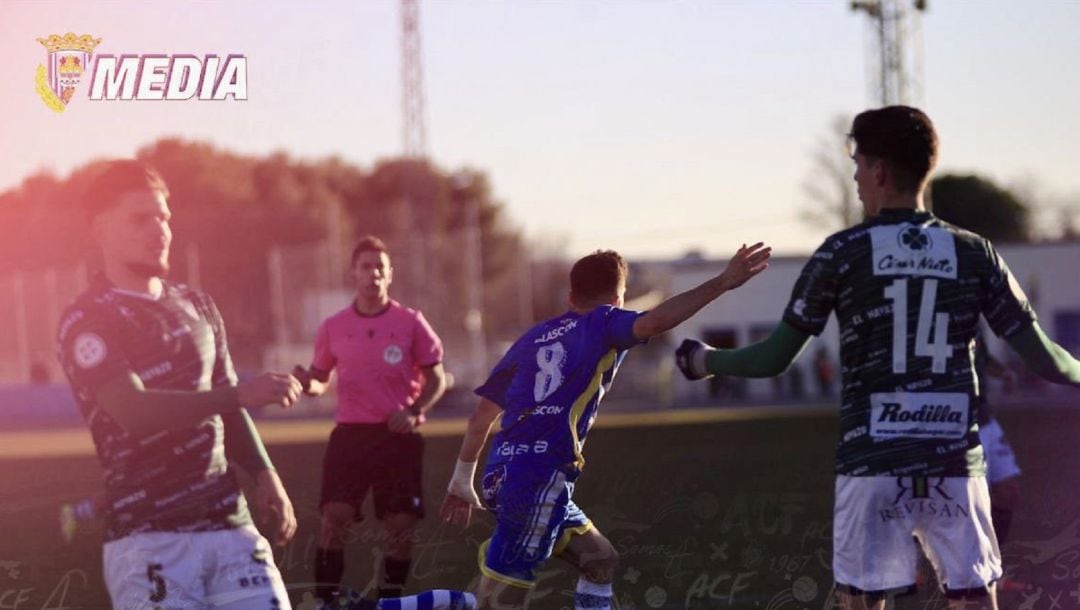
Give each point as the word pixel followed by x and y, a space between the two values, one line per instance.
pixel 463 474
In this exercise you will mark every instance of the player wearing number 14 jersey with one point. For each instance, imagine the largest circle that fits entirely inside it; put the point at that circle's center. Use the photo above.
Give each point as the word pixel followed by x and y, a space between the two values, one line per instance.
pixel 547 388
pixel 907 289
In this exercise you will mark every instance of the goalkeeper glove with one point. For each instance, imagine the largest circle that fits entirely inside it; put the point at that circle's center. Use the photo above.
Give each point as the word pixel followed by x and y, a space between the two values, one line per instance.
pixel 690 358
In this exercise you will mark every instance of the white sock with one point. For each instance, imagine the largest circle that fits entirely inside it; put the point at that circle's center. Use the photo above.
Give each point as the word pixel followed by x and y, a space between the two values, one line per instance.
pixel 438 599
pixel 592 596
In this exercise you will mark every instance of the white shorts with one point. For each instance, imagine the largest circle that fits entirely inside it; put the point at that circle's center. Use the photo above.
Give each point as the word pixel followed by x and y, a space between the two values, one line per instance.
pixel 1000 459
pixel 231 569
pixel 876 517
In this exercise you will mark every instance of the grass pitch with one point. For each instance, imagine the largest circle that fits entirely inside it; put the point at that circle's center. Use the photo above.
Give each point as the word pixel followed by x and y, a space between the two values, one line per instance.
pixel 710 509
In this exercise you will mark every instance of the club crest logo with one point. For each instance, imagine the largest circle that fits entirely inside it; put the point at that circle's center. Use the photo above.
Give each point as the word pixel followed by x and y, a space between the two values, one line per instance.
pixel 67 61
pixel 132 76
pixel 392 354
pixel 89 350
pixel 914 239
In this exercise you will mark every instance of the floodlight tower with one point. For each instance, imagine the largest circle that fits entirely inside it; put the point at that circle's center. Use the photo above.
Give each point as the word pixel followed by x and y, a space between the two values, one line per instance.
pixel 895 61
pixel 413 127
pixel 414 144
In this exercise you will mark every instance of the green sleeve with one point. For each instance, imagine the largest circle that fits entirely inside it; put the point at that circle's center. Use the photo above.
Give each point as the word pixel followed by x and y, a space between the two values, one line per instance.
pixel 144 412
pixel 767 358
pixel 1044 357
pixel 243 444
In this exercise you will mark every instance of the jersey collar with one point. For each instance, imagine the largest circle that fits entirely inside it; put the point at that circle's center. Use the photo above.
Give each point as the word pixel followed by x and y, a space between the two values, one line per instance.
pixel 102 283
pixel 892 215
pixel 389 304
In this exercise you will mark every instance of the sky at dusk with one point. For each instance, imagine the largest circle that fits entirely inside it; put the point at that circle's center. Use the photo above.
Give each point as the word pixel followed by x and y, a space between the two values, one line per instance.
pixel 649 127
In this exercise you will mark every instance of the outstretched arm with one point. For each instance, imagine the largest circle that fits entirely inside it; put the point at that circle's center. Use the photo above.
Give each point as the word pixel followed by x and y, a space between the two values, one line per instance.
pixel 746 263
pixel 767 358
pixel 1046 358
pixel 313 381
pixel 143 412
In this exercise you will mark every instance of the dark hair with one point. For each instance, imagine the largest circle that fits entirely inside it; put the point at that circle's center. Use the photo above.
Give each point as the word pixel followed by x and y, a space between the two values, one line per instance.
pixel 117 178
pixel 901 136
pixel 596 277
pixel 369 243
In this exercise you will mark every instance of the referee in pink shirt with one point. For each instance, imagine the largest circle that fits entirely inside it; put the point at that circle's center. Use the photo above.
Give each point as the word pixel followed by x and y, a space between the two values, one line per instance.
pixel 390 373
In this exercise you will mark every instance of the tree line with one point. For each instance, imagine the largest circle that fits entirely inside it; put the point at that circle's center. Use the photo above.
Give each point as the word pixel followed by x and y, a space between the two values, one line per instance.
pixel 234 210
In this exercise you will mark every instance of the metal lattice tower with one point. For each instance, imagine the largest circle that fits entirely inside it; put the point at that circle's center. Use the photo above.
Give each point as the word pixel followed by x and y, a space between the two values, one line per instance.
pixel 413 127
pixel 895 61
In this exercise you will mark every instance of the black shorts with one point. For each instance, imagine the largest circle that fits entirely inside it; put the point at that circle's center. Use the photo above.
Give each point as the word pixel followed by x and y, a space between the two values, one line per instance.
pixel 362 457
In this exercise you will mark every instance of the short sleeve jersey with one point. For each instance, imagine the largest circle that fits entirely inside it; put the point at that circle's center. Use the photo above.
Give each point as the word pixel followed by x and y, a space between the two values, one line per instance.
pixel 908 289
pixel 378 360
pixel 175 480
pixel 550 383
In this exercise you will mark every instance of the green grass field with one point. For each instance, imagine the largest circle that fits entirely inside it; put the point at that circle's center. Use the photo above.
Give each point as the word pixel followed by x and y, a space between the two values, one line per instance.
pixel 705 514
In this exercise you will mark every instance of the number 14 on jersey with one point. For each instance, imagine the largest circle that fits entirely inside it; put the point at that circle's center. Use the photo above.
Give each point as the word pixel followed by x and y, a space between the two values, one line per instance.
pixel 929 320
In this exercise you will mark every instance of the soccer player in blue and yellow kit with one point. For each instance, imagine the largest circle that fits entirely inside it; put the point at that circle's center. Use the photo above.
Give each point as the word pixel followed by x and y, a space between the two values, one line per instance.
pixel 547 388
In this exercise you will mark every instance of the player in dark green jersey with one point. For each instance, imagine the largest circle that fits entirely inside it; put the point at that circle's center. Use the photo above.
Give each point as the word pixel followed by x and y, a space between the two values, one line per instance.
pixel 149 365
pixel 907 289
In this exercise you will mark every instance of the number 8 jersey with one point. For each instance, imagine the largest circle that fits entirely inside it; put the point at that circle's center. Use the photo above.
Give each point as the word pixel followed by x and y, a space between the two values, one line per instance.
pixel 908 290
pixel 550 383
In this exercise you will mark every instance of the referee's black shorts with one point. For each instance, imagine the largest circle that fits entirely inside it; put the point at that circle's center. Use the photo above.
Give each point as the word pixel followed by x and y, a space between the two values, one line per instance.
pixel 362 457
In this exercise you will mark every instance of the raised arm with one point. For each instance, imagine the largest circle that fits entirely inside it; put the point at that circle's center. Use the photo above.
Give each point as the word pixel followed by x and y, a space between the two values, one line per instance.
pixel 747 262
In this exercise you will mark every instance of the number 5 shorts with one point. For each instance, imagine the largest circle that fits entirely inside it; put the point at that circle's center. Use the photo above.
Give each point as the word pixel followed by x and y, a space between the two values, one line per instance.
pixel 535 518
pixel 876 518
pixel 231 569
